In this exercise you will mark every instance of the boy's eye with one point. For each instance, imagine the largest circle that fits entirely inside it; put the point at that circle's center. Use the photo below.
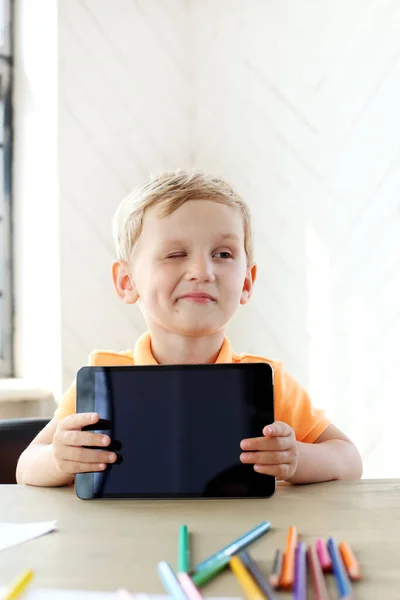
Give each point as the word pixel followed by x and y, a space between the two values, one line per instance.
pixel 223 254
pixel 176 255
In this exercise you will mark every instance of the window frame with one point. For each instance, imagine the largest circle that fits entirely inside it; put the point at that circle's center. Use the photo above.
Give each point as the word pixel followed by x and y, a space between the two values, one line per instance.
pixel 6 240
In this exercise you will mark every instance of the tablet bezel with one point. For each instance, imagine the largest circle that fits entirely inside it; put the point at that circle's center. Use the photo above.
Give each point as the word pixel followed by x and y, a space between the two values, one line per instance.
pixel 85 402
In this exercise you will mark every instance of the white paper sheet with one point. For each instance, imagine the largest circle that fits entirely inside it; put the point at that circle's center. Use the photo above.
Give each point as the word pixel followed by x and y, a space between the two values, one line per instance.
pixel 38 594
pixel 12 534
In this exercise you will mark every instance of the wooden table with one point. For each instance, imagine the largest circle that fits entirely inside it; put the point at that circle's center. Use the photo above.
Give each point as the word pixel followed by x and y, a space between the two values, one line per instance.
pixel 106 544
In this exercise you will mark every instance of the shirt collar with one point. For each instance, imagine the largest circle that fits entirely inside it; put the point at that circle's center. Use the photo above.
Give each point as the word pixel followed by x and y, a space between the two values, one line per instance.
pixel 144 356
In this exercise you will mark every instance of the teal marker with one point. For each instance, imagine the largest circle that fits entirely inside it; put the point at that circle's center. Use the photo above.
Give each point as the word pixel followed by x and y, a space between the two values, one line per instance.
pixel 208 573
pixel 183 550
pixel 235 546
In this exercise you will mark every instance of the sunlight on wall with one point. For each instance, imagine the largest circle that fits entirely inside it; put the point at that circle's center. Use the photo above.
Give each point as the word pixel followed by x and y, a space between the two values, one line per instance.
pixel 390 414
pixel 37 322
pixel 340 358
pixel 355 399
pixel 382 426
pixel 321 366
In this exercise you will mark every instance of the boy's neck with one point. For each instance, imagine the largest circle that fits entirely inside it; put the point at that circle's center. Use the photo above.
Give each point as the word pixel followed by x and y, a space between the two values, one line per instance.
pixel 171 348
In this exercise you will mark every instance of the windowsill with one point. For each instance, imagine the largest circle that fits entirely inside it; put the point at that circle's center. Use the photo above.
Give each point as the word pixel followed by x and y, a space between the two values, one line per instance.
pixel 19 399
pixel 20 390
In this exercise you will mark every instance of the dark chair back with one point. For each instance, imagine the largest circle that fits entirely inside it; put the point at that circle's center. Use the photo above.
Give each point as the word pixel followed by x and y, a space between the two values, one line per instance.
pixel 15 436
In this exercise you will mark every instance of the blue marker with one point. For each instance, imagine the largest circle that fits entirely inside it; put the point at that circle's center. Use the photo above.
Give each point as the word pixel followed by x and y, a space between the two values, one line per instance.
pixel 236 546
pixel 342 581
pixel 170 582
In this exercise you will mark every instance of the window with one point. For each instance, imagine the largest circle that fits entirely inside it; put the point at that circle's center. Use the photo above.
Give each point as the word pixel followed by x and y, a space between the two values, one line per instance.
pixel 6 287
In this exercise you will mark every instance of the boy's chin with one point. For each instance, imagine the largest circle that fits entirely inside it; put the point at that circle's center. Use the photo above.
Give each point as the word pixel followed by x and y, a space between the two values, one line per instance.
pixel 198 329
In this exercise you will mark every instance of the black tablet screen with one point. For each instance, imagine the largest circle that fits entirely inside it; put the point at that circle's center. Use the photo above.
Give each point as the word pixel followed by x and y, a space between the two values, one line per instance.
pixel 177 429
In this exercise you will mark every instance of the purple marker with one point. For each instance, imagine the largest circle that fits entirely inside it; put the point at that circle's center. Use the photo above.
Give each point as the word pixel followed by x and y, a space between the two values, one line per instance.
pixel 300 573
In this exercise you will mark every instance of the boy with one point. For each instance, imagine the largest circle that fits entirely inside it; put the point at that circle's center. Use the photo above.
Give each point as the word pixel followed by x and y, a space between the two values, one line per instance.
pixel 184 254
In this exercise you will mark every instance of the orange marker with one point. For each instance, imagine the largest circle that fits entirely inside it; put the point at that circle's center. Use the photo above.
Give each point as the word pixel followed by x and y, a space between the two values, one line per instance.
pixel 350 561
pixel 287 576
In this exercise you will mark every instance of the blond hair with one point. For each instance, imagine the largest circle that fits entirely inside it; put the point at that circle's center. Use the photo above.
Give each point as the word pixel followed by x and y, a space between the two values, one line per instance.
pixel 169 191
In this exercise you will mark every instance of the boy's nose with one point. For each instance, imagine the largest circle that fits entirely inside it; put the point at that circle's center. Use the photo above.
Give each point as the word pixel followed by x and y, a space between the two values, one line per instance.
pixel 200 269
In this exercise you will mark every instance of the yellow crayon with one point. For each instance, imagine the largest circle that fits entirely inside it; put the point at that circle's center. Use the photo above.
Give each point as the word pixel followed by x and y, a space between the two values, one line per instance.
pixel 18 586
pixel 246 581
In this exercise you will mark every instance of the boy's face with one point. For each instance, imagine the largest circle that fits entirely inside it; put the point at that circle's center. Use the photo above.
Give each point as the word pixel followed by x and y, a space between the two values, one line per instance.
pixel 189 270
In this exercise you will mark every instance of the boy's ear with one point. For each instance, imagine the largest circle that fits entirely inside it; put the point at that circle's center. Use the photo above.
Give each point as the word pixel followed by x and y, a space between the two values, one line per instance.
pixel 248 284
pixel 123 284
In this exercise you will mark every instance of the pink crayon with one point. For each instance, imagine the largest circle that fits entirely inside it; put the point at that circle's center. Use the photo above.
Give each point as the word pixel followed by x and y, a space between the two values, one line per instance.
pixel 324 556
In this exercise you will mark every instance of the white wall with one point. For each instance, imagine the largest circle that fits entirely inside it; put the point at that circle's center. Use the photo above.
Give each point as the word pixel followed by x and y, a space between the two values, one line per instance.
pixel 123 102
pixel 297 104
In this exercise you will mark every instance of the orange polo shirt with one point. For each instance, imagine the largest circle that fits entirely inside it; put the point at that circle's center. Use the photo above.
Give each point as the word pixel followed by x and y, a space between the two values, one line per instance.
pixel 292 403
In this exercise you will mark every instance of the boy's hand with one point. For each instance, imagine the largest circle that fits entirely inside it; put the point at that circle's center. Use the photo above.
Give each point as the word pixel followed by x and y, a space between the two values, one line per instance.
pixel 274 454
pixel 70 455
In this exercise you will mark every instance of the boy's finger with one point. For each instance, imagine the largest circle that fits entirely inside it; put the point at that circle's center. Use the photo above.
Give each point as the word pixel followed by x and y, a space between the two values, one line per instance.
pixel 277 429
pixel 75 437
pixel 83 455
pixel 70 466
pixel 266 458
pixel 78 420
pixel 253 443
pixel 278 471
pixel 266 444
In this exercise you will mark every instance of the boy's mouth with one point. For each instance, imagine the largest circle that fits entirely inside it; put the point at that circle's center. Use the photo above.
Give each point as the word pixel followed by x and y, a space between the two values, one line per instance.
pixel 198 297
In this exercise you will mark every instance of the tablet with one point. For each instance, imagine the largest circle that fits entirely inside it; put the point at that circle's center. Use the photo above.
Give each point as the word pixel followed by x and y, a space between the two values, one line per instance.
pixel 177 429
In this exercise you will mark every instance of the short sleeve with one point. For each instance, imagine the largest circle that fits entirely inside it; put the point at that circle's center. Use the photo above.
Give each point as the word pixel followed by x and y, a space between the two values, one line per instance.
pixel 67 405
pixel 293 406
pixel 101 358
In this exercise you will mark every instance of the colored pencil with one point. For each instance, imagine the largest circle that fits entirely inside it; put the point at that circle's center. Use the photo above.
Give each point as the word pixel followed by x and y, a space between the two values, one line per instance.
pixel 342 580
pixel 275 576
pixel 323 555
pixel 237 545
pixel 350 561
pixel 205 575
pixel 319 585
pixel 188 587
pixel 247 583
pixel 18 586
pixel 183 550
pixel 257 575
pixel 300 579
pixel 170 581
pixel 287 576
